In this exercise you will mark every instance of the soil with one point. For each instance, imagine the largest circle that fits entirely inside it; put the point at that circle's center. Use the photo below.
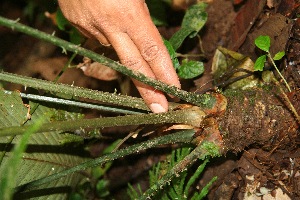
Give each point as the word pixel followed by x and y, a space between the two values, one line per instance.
pixel 263 145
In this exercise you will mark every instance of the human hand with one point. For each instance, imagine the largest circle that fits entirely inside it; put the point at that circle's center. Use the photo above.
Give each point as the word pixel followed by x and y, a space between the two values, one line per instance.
pixel 128 27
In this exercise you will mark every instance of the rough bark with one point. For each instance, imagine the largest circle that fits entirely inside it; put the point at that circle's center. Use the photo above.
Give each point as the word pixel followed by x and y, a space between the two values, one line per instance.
pixel 257 116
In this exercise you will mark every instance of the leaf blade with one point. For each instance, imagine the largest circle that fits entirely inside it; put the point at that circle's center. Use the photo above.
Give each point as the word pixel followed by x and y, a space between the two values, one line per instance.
pixel 192 23
pixel 263 42
pixel 10 169
pixel 279 55
pixel 51 156
pixel 260 63
pixel 190 69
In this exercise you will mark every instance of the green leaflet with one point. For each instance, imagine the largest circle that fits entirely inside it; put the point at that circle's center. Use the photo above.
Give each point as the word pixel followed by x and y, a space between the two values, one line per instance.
pixel 279 55
pixel 193 21
pixel 260 63
pixel 263 42
pixel 12 113
pixel 190 69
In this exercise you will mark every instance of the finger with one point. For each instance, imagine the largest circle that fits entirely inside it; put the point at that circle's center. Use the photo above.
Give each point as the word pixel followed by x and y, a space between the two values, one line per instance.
pixel 102 39
pixel 93 33
pixel 146 37
pixel 131 57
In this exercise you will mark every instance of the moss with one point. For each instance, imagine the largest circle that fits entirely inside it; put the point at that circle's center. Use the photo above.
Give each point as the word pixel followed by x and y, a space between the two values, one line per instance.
pixel 207 101
pixel 212 149
pixel 225 134
pixel 252 100
pixel 267 87
pixel 61 115
pixel 71 139
pixel 234 94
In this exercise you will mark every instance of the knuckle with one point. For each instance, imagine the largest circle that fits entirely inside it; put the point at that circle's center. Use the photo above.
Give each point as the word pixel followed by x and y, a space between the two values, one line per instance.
pixel 132 63
pixel 150 52
pixel 78 22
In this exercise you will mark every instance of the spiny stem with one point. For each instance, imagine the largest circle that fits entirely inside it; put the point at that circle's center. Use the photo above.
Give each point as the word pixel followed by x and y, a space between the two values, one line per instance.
pixel 191 116
pixel 74 91
pixel 40 98
pixel 200 152
pixel 182 136
pixel 199 100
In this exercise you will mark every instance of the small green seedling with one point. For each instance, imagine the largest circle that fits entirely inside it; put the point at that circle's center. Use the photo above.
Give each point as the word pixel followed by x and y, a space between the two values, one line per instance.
pixel 264 43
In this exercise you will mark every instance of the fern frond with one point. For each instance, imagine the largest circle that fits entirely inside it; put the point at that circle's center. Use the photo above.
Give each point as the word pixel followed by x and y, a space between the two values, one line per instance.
pixel 195 176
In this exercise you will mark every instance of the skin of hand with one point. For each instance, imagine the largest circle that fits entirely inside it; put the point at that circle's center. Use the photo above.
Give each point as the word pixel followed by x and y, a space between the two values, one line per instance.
pixel 127 26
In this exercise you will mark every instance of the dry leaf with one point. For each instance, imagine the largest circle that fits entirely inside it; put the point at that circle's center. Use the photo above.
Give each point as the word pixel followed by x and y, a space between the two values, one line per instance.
pixel 98 71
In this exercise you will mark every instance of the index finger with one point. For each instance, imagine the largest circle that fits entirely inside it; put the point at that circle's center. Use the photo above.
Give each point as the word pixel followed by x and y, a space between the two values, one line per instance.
pixel 148 40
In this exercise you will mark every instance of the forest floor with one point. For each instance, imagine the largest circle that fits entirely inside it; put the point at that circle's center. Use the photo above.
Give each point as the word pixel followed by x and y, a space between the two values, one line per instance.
pixel 258 171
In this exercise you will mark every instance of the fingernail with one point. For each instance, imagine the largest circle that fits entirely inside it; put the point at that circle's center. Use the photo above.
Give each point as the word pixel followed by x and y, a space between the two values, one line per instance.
pixel 157 108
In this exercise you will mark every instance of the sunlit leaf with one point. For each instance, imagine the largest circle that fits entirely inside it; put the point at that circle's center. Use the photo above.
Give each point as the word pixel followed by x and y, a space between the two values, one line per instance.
pixel 190 69
pixel 263 42
pixel 193 21
pixel 279 55
pixel 260 63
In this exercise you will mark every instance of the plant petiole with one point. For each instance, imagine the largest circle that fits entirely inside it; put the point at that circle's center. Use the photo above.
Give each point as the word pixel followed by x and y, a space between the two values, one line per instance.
pixel 285 82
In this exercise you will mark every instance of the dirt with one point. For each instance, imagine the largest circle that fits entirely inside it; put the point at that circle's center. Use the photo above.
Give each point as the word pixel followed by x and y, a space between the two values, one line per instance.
pixel 260 132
